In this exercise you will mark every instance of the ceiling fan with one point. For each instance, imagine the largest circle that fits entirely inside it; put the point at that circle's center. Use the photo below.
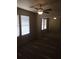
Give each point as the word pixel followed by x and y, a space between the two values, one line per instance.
pixel 41 10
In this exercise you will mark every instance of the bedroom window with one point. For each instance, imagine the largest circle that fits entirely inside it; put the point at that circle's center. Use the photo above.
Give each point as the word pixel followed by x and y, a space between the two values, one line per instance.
pixel 44 24
pixel 25 27
pixel 18 32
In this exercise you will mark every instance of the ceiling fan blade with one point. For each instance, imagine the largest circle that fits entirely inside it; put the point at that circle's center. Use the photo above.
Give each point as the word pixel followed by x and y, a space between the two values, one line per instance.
pixel 48 10
pixel 34 7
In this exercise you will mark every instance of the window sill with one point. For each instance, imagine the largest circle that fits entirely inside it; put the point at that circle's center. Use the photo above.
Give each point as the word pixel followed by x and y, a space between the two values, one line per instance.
pixel 24 36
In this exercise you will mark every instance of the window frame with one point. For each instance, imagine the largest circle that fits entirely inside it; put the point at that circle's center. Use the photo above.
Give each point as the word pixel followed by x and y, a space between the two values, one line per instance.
pixel 20 27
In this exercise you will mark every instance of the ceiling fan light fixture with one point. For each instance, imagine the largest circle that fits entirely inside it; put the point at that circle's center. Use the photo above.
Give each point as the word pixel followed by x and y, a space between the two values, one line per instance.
pixel 40 11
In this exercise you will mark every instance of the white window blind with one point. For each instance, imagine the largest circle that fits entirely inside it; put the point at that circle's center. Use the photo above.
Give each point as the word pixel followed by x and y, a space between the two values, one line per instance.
pixel 44 24
pixel 18 32
pixel 25 25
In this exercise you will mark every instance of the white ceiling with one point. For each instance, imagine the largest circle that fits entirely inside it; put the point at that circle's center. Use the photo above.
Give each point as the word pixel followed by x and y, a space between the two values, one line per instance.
pixel 53 4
